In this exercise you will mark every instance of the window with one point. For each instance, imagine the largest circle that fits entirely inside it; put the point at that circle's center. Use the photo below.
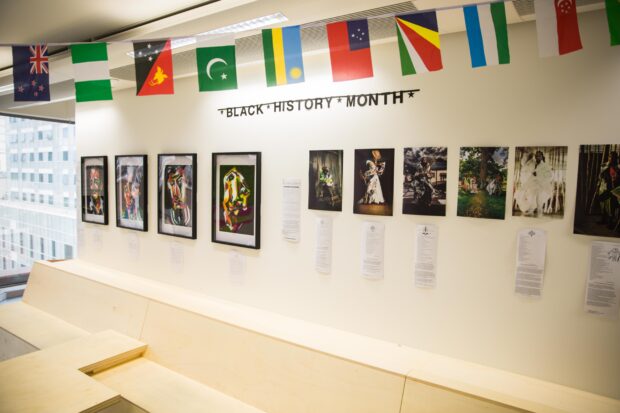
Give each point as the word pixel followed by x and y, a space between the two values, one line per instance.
pixel 68 251
pixel 39 206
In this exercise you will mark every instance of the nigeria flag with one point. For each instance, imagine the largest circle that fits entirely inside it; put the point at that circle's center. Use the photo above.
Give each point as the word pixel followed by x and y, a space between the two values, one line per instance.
pixel 217 68
pixel 92 76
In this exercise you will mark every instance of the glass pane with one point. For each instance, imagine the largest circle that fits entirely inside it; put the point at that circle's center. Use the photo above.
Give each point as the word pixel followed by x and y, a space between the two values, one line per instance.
pixel 37 221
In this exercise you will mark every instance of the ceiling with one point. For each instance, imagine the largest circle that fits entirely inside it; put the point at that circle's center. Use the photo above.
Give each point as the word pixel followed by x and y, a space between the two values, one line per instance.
pixel 60 21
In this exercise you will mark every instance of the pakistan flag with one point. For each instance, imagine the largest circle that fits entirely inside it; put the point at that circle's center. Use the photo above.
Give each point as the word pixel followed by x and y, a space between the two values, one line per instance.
pixel 216 66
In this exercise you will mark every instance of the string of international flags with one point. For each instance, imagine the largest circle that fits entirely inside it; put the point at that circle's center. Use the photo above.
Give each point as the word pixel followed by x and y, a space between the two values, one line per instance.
pixel 349 49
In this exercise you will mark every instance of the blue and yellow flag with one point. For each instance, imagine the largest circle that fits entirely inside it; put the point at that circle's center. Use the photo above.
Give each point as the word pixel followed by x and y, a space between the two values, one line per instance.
pixel 283 56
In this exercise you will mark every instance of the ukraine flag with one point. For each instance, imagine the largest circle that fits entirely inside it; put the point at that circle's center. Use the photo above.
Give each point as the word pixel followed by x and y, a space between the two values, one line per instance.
pixel 283 56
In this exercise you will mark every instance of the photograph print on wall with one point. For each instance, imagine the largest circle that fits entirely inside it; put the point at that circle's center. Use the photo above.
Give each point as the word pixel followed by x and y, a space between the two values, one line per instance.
pixel 597 205
pixel 325 180
pixel 131 192
pixel 236 199
pixel 540 181
pixel 374 181
pixel 95 189
pixel 424 180
pixel 176 196
pixel 482 182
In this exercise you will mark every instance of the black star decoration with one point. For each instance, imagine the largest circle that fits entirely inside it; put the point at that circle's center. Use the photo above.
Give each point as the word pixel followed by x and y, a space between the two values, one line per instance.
pixel 410 94
pixel 339 100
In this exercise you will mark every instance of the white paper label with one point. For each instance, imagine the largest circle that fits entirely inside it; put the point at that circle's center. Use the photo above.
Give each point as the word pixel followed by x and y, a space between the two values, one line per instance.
pixel 291 207
pixel 373 234
pixel 603 289
pixel 531 250
pixel 425 266
pixel 323 249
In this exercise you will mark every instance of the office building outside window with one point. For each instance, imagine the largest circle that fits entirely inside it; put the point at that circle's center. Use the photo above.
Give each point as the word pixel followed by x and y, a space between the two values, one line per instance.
pixel 38 199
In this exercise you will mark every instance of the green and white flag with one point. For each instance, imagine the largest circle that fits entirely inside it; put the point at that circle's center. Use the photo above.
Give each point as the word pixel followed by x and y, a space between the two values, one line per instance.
pixel 613 18
pixel 92 75
pixel 217 67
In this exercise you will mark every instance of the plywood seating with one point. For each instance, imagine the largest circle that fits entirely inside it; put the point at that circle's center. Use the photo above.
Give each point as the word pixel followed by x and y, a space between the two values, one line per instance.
pixel 279 364
pixel 158 389
pixel 55 380
pixel 24 328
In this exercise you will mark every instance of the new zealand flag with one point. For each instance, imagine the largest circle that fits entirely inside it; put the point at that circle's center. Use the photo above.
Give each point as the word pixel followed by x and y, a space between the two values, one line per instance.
pixel 31 74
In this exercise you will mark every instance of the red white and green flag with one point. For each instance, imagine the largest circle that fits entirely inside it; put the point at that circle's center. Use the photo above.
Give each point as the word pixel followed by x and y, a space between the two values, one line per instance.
pixel 92 75
pixel 613 17
pixel 557 27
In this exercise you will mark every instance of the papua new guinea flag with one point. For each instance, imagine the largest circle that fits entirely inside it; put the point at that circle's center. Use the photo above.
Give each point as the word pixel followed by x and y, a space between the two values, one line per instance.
pixel 153 61
pixel 31 74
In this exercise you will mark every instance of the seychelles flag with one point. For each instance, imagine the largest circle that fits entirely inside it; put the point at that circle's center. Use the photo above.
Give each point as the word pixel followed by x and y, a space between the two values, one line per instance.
pixel 487 33
pixel 283 57
pixel 349 50
pixel 418 43
pixel 31 74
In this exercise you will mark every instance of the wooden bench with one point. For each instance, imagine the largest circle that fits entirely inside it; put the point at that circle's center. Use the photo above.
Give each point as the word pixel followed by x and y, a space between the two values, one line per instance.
pixel 278 364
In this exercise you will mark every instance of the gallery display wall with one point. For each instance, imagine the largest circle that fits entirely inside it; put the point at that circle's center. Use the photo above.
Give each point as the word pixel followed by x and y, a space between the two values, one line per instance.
pixel 472 313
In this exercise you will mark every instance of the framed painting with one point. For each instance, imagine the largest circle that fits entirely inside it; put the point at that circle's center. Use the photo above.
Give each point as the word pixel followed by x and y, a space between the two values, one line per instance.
pixel 94 172
pixel 131 192
pixel 236 199
pixel 176 195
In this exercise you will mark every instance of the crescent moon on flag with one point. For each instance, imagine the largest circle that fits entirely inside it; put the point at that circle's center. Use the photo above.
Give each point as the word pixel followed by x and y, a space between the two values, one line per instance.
pixel 211 63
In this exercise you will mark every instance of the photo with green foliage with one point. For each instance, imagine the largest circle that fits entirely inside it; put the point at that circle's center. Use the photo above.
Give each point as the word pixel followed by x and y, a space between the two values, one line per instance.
pixel 482 182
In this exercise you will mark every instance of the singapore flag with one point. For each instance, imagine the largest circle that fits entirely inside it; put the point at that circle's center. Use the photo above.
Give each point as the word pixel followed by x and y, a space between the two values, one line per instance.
pixel 557 27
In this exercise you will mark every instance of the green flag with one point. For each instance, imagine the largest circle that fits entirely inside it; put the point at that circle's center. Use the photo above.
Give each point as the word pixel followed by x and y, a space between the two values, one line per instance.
pixel 613 17
pixel 92 76
pixel 217 69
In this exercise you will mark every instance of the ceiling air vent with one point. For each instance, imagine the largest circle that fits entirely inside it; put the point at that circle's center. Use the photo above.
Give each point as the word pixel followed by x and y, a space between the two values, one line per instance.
pixel 526 7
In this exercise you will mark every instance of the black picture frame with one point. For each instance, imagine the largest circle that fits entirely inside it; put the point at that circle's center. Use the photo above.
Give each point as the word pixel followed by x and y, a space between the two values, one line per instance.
pixel 94 208
pixel 124 219
pixel 234 229
pixel 177 221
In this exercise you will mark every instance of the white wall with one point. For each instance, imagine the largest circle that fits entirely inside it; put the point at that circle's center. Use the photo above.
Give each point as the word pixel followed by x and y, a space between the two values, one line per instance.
pixel 473 313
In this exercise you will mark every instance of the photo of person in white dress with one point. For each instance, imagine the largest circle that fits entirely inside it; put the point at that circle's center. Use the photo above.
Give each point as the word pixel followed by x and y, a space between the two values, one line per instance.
pixel 374 182
pixel 539 181
pixel 374 169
